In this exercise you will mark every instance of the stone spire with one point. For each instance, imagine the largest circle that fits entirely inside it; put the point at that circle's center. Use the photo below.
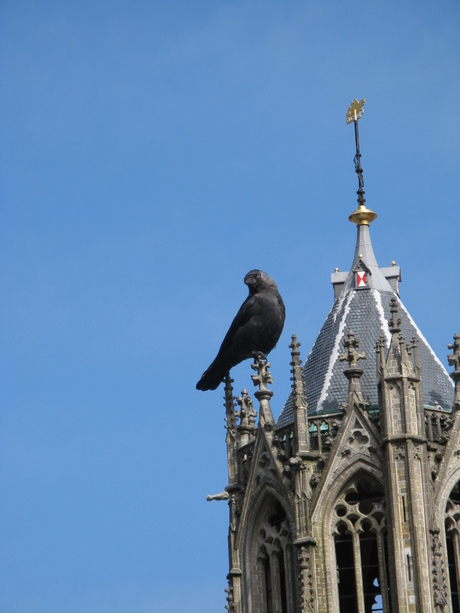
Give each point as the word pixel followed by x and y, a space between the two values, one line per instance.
pixel 263 395
pixel 300 402
pixel 402 363
pixel 233 493
pixel 362 304
pixel 365 268
pixel 232 432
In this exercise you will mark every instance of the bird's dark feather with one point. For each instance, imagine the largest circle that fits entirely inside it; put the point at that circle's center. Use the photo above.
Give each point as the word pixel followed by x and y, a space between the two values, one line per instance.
pixel 256 328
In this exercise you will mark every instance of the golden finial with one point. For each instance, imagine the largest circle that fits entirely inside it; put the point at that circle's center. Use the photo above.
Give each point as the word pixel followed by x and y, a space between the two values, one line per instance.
pixel 393 263
pixel 362 216
pixel 336 269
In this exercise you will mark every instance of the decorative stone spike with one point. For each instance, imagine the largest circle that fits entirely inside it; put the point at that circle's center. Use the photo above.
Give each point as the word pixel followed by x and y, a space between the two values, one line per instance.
pixel 399 360
pixel 414 350
pixel 229 404
pixel 454 360
pixel 405 353
pixel 296 372
pixel 380 351
pixel 263 395
pixel 414 347
pixel 232 433
pixel 300 402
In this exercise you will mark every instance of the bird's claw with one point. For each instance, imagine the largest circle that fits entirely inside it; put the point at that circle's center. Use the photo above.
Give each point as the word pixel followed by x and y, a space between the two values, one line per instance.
pixel 259 356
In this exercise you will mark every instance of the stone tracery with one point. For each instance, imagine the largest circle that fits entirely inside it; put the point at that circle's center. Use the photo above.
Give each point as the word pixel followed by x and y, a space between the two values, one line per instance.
pixel 359 529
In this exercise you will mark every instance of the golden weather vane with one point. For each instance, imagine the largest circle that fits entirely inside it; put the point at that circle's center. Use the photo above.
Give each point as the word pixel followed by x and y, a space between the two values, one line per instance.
pixel 355 110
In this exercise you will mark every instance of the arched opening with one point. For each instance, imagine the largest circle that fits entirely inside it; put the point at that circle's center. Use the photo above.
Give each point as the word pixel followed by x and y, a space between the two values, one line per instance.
pixel 272 574
pixel 348 597
pixel 370 568
pixel 452 523
pixel 358 527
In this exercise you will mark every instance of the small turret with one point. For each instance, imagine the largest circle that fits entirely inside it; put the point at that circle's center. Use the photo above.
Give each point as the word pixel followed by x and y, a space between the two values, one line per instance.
pixel 402 422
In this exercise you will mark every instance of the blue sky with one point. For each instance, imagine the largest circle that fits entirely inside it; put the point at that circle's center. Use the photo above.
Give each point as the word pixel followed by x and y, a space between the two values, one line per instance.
pixel 151 154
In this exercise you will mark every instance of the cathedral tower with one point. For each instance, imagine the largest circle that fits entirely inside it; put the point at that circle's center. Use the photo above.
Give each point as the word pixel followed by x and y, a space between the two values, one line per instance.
pixel 350 501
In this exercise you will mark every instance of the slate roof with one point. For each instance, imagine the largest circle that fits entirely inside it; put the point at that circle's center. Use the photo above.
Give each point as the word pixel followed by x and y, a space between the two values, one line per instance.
pixel 364 311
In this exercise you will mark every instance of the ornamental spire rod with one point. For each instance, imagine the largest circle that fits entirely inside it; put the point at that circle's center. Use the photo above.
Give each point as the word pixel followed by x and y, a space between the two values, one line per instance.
pixel 362 216
pixel 354 114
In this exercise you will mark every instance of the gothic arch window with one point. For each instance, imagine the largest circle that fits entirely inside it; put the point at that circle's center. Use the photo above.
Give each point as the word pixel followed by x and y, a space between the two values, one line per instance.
pixel 358 528
pixel 272 572
pixel 452 523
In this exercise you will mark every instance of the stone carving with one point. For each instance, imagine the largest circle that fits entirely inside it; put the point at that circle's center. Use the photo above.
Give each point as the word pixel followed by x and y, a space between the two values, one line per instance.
pixel 263 376
pixel 265 468
pixel 306 592
pixel 399 453
pixel 439 571
pixel 230 606
pixel 395 322
pixel 235 511
pixel 358 440
pixel 417 451
pixel 221 496
pixel 454 360
pixel 351 344
pixel 362 502
pixel 247 414
pixel 246 456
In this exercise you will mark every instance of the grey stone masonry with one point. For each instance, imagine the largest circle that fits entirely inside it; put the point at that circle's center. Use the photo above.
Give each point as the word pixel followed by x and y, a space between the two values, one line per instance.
pixel 407 480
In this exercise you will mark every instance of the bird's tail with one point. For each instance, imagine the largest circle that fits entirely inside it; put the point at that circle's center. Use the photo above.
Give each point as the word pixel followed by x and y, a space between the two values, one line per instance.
pixel 214 375
pixel 210 380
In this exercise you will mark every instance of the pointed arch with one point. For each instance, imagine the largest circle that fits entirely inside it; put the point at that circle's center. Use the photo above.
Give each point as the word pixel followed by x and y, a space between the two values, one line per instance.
pixel 448 516
pixel 354 537
pixel 269 583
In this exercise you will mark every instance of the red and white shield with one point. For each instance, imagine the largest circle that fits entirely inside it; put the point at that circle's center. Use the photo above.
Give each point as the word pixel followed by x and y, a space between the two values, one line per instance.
pixel 361 279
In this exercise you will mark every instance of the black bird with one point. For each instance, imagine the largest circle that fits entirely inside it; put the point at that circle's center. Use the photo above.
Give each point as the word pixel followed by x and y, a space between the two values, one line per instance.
pixel 255 329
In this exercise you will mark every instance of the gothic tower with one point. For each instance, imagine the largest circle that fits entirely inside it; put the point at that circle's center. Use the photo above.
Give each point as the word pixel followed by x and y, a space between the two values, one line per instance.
pixel 350 501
